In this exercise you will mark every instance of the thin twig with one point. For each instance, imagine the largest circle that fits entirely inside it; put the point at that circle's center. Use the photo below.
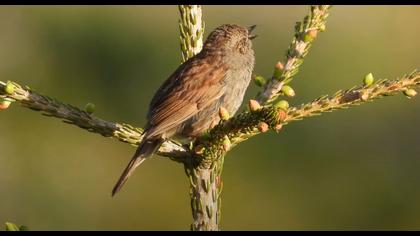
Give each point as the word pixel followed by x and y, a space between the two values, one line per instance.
pixel 247 124
pixel 305 32
pixel 238 128
pixel 73 115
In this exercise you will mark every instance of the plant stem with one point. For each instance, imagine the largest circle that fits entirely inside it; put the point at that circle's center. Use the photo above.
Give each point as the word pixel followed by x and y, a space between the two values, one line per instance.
pixel 204 189
pixel 70 114
pixel 305 32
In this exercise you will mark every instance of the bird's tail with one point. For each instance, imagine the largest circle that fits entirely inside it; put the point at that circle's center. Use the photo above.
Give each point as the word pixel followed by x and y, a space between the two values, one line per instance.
pixel 145 149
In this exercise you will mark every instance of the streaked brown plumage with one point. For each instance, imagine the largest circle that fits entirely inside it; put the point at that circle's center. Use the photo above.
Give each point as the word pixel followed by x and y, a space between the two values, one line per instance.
pixel 187 103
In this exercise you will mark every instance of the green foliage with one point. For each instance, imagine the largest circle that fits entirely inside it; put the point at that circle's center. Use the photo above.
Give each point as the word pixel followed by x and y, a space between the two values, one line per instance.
pixel 368 79
pixel 305 32
pixel 9 88
pixel 13 227
pixel 90 108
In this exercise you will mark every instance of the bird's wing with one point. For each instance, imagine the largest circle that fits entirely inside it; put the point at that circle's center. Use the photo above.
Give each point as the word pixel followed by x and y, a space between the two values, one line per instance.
pixel 194 86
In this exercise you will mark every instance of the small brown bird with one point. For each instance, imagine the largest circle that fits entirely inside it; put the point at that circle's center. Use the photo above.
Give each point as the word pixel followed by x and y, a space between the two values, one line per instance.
pixel 188 102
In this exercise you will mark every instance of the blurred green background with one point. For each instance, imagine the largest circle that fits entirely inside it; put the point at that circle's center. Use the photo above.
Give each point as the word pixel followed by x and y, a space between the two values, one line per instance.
pixel 351 169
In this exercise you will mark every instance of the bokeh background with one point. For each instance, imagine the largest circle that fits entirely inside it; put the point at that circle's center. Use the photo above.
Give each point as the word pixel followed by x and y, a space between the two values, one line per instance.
pixel 351 169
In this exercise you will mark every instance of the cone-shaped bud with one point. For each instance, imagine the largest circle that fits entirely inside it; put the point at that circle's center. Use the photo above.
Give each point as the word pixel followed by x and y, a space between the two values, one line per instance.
pixel 223 113
pixel 9 88
pixel 310 35
pixel 368 80
pixel 259 80
pixel 90 108
pixel 278 70
pixel 282 104
pixel 226 143
pixel 254 105
pixel 410 93
pixel 288 91
pixel 281 115
pixel 263 127
pixel 313 33
pixel 4 104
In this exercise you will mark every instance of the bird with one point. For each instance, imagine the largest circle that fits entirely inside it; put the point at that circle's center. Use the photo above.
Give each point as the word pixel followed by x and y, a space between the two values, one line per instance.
pixel 187 104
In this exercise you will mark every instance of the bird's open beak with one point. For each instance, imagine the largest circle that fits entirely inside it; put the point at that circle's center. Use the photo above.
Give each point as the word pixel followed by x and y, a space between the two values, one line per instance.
pixel 250 29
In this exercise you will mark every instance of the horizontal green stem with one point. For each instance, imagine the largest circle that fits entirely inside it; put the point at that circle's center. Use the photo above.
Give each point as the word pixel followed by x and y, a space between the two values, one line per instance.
pixel 237 129
pixel 248 124
pixel 73 115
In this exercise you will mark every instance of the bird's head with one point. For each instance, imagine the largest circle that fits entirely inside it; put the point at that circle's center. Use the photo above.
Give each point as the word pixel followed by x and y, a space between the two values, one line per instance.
pixel 231 38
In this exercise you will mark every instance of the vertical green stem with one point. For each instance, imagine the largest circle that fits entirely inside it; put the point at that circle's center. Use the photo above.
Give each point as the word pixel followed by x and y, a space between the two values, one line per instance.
pixel 205 192
pixel 191 27
pixel 205 182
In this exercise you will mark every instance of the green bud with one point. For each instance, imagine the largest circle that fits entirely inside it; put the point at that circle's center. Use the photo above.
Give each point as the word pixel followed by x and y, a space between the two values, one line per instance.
pixel 11 227
pixel 282 104
pixel 368 80
pixel 278 70
pixel 9 88
pixel 307 38
pixel 259 80
pixel 90 108
pixel 223 113
pixel 322 28
pixel 410 93
pixel 288 91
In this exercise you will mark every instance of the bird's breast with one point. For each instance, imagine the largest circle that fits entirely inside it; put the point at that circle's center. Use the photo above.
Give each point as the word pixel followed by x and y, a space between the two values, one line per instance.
pixel 237 81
